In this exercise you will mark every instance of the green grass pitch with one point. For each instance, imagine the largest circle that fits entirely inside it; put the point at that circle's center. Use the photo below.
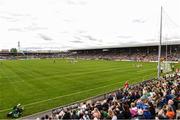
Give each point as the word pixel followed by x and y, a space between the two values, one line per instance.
pixel 42 84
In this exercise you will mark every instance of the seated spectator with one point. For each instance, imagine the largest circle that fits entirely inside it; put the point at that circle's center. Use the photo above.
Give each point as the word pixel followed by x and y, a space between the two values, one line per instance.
pixel 162 113
pixel 170 113
pixel 112 114
pixel 126 111
pixel 67 115
pixel 146 113
pixel 74 115
pixel 171 104
pixel 143 97
pixel 96 114
pixel 133 110
pixel 152 110
pixel 140 114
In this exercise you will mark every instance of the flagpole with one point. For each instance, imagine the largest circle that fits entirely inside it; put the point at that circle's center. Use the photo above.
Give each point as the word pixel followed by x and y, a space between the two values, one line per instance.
pixel 160 43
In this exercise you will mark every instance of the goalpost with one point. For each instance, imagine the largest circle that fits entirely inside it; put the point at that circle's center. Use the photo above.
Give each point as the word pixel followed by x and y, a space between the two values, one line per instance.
pixel 166 66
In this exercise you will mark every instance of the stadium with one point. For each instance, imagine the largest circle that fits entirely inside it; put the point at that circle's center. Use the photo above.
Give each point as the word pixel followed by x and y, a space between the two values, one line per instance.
pixel 133 80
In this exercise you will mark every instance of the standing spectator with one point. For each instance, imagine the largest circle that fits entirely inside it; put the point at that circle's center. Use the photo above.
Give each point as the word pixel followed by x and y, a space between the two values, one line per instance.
pixel 126 85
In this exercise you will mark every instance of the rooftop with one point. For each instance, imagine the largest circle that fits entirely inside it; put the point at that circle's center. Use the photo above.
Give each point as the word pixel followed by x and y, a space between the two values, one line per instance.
pixel 131 45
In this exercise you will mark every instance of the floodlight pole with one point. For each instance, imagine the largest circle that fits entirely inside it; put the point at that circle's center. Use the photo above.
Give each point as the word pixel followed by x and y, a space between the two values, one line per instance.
pixel 19 46
pixel 160 42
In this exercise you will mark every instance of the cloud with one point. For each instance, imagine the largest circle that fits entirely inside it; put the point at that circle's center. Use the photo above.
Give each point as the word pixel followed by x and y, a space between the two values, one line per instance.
pixel 151 40
pixel 94 22
pixel 172 37
pixel 18 14
pixel 124 36
pixel 68 20
pixel 138 21
pixel 34 27
pixel 64 47
pixel 90 37
pixel 32 48
pixel 64 32
pixel 9 19
pixel 13 16
pixel 81 31
pixel 76 41
pixel 76 2
pixel 45 37
pixel 78 38
pixel 15 29
pixel 26 29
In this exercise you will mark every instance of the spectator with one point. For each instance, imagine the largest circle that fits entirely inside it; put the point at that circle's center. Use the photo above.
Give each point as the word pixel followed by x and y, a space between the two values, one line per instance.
pixel 142 99
pixel 170 113
pixel 152 110
pixel 96 114
pixel 74 115
pixel 133 110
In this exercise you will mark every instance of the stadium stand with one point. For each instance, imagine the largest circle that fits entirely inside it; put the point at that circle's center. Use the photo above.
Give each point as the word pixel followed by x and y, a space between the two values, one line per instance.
pixel 147 100
pixel 138 53
pixel 151 99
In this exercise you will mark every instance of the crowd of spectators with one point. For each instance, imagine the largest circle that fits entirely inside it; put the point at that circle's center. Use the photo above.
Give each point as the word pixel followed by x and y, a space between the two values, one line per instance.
pixel 96 54
pixel 136 56
pixel 152 99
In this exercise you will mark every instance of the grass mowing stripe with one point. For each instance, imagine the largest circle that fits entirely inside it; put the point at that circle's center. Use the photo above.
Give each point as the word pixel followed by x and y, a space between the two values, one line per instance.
pixel 101 73
pixel 70 74
pixel 61 96
pixel 72 94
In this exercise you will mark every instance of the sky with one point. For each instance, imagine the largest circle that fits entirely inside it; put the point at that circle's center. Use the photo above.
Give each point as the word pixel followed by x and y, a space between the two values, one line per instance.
pixel 73 24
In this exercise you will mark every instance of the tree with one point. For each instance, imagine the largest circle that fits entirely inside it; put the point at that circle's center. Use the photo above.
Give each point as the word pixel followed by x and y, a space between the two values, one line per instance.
pixel 13 51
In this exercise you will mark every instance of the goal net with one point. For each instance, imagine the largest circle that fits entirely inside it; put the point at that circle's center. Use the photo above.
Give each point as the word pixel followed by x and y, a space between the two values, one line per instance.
pixel 166 66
